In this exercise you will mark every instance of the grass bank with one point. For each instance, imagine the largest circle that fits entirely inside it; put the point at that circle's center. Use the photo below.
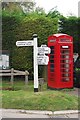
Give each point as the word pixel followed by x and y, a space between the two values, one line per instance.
pixel 23 97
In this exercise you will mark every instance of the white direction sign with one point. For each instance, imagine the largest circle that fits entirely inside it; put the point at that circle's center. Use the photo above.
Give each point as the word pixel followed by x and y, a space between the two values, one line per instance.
pixel 43 49
pixel 42 60
pixel 25 43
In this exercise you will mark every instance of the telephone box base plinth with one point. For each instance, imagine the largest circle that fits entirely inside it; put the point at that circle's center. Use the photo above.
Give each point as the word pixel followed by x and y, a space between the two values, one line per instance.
pixel 58 88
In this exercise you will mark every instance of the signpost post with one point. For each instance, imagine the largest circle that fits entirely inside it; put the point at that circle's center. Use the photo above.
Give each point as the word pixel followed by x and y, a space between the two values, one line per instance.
pixel 39 56
pixel 35 63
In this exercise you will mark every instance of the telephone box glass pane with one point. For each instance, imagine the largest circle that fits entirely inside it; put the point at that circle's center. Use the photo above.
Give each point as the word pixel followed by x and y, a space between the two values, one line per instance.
pixel 65 79
pixel 51 56
pixel 52 67
pixel 52 59
pixel 52 49
pixel 65 63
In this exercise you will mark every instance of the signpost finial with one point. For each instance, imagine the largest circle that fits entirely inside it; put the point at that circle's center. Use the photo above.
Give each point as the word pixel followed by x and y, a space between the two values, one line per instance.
pixel 35 35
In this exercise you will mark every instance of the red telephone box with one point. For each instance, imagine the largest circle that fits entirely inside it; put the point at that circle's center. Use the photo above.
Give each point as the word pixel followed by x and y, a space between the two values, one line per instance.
pixel 60 66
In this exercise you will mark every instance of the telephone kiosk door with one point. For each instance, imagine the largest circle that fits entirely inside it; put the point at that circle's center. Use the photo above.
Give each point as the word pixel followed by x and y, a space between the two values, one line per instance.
pixel 52 62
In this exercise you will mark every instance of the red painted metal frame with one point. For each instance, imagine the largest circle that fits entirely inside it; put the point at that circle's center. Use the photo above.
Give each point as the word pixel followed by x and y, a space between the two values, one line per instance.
pixel 55 71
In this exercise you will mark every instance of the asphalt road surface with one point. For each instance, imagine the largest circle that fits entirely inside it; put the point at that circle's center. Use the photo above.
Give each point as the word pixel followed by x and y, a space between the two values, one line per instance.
pixel 7 113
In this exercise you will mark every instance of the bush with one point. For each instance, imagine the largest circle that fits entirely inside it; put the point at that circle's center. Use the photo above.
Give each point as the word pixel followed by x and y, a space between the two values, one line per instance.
pixel 15 29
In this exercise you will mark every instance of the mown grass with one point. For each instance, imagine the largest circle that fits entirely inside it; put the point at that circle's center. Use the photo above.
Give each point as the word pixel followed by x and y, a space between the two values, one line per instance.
pixel 23 97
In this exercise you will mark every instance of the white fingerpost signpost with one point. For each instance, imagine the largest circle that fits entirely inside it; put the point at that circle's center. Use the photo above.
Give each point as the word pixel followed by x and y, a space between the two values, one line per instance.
pixel 35 63
pixel 35 48
pixel 39 56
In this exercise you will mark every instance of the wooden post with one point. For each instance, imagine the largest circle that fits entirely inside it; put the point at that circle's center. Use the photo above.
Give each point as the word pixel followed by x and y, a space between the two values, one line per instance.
pixel 12 75
pixel 41 82
pixel 26 77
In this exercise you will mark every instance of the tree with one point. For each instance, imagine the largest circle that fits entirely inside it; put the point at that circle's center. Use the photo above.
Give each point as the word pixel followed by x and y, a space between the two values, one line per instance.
pixel 69 25
pixel 27 6
pixel 54 13
pixel 19 7
pixel 16 28
pixel 12 9
pixel 4 5
pixel 39 10
pixel 79 35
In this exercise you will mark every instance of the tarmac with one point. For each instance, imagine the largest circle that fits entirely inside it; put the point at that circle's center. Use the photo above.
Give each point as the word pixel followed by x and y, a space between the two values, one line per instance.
pixel 14 113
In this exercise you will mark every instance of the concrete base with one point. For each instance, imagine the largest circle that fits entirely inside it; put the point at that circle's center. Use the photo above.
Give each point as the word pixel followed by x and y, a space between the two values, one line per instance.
pixel 58 88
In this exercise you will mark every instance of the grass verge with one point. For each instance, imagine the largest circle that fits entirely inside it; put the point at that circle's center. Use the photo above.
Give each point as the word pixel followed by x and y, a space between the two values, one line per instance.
pixel 23 97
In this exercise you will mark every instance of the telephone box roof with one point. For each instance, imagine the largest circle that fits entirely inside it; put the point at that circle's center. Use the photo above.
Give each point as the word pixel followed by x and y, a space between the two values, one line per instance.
pixel 60 34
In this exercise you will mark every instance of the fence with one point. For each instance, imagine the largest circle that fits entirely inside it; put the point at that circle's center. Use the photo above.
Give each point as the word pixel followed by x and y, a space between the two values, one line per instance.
pixel 13 73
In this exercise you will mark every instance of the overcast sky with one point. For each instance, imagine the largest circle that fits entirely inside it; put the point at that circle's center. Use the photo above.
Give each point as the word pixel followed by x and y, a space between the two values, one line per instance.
pixel 65 7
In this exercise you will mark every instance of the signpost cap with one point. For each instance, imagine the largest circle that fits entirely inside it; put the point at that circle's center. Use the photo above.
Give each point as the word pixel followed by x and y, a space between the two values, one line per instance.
pixel 35 35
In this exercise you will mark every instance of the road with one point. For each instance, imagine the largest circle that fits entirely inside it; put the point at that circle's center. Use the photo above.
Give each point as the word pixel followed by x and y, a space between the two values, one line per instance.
pixel 11 113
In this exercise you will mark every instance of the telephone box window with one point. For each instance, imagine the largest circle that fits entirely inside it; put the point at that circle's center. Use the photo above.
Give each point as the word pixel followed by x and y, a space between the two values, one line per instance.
pixel 51 61
pixel 51 56
pixel 65 79
pixel 52 49
pixel 52 67
pixel 65 70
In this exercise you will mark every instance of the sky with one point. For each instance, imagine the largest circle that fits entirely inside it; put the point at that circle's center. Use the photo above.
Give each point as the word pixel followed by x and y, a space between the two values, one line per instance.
pixel 65 7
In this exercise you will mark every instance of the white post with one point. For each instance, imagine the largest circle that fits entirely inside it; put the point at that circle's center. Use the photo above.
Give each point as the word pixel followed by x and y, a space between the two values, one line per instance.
pixel 35 63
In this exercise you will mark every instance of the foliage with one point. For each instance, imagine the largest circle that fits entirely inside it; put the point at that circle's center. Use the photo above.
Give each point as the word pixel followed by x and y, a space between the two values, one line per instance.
pixel 27 6
pixel 41 25
pixel 40 10
pixel 79 35
pixel 21 7
pixel 54 13
pixel 69 25
pixel 9 24
pixel 22 28
pixel 30 25
pixel 77 69
pixel 12 9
